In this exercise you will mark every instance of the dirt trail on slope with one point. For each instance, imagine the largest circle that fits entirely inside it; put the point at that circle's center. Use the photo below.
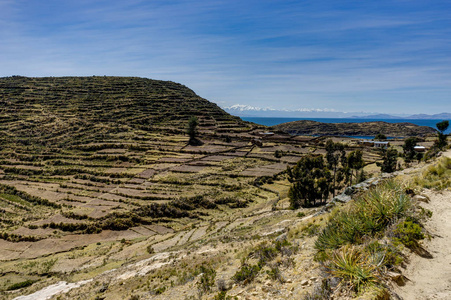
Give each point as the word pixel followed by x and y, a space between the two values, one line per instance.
pixel 431 278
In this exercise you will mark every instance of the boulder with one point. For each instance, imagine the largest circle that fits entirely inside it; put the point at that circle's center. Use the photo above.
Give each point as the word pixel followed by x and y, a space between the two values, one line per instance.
pixel 350 190
pixel 421 198
pixel 343 198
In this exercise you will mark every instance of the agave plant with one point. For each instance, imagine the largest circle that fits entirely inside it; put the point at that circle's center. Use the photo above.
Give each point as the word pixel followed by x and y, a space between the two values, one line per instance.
pixel 354 267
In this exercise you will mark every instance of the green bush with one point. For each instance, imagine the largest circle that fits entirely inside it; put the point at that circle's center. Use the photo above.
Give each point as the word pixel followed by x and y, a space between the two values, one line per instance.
pixel 222 295
pixel 409 233
pixel 246 273
pixel 20 285
pixel 207 278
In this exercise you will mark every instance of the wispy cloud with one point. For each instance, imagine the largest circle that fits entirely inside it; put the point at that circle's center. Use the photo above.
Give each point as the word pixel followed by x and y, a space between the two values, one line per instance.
pixel 385 56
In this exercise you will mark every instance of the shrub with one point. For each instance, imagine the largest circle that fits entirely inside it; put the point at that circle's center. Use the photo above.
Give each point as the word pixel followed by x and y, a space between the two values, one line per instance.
pixel 350 264
pixel 222 295
pixel 150 249
pixel 409 233
pixel 246 273
pixel 301 214
pixel 222 285
pixel 20 285
pixel 367 216
pixel 207 279
pixel 275 274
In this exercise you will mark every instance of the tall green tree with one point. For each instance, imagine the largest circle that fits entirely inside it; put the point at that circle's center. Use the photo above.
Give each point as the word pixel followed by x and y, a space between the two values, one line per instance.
pixel 334 154
pixel 442 126
pixel 192 129
pixel 355 162
pixel 310 180
pixel 409 148
pixel 389 160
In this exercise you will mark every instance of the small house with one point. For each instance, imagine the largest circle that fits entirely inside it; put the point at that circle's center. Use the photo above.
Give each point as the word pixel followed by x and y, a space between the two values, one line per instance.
pixel 266 134
pixel 383 145
pixel 419 149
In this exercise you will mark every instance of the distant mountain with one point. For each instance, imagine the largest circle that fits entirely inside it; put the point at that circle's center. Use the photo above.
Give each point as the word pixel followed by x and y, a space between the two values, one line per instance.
pixel 444 116
pixel 378 116
pixel 441 116
pixel 241 110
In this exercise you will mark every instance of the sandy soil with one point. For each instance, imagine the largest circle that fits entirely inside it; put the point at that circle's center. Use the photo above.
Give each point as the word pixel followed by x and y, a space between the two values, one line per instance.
pixel 431 278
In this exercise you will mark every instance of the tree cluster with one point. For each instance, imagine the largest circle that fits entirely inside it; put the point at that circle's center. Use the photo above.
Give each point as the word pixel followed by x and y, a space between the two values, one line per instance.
pixel 389 160
pixel 311 181
pixel 313 178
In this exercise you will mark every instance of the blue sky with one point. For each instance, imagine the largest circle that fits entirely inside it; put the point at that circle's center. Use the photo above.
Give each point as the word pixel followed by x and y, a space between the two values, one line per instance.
pixel 373 56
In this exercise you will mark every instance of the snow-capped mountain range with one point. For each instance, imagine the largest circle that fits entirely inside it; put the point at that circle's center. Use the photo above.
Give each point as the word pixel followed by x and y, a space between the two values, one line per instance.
pixel 243 110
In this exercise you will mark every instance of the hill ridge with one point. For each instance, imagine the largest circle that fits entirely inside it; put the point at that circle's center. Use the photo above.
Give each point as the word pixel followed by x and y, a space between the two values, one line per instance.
pixel 47 108
pixel 307 127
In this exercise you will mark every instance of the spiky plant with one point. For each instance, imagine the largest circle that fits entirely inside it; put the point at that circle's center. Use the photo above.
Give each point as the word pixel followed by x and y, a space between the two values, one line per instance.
pixel 354 267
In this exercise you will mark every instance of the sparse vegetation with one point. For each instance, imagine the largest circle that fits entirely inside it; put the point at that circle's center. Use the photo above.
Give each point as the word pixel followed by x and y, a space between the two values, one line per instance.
pixel 349 246
pixel 436 176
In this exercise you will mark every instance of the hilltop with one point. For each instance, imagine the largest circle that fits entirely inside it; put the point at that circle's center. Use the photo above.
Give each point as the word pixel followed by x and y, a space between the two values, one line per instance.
pixel 70 110
pixel 306 127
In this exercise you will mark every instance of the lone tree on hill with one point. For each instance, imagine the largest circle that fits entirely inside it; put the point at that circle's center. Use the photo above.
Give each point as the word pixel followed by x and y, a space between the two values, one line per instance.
pixel 192 131
pixel 311 182
pixel 442 126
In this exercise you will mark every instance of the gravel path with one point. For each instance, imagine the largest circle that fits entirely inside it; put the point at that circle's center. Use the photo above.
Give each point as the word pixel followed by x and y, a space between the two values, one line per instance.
pixel 431 278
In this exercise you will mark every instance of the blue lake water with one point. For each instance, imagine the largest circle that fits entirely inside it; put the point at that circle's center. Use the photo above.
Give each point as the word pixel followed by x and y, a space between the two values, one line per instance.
pixel 275 121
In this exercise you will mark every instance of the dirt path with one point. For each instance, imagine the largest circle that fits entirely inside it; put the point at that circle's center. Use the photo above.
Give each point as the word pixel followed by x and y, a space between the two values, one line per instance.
pixel 431 278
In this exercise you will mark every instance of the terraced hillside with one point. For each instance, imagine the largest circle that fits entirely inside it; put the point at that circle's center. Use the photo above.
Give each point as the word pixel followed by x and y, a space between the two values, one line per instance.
pixel 62 111
pixel 97 173
pixel 90 160
pixel 86 154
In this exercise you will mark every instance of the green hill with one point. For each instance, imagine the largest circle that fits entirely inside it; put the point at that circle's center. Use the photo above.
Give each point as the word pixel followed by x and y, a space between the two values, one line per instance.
pixel 74 110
